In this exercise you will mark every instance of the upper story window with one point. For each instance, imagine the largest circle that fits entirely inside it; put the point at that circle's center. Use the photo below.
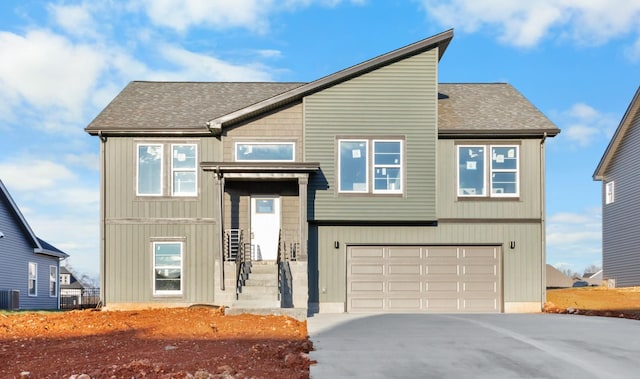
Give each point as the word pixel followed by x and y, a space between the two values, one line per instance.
pixel 609 193
pixel 167 268
pixel 488 171
pixel 182 169
pixel 65 279
pixel 265 151
pixel 362 159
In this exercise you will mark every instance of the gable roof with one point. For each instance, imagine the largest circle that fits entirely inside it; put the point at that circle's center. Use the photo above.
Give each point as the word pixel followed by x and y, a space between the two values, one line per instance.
pixel 39 246
pixel 633 111
pixel 192 108
pixel 557 279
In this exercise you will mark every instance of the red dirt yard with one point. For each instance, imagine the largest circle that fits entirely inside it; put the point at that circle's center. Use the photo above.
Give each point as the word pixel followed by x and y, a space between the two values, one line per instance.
pixel 159 343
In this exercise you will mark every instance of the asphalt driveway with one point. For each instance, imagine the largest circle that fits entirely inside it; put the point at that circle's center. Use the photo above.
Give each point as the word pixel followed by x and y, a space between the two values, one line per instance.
pixel 474 346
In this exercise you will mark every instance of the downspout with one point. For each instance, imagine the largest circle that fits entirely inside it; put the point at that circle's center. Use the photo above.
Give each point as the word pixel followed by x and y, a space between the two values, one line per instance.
pixel 220 180
pixel 103 224
pixel 543 221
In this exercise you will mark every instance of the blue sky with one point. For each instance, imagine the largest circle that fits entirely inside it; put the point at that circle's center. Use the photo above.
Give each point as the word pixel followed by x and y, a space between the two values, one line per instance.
pixel 61 62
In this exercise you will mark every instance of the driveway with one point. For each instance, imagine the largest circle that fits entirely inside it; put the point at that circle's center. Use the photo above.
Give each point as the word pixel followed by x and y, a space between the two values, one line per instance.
pixel 473 346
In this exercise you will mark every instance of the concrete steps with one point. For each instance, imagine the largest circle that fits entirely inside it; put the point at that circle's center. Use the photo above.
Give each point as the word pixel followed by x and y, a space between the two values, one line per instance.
pixel 260 289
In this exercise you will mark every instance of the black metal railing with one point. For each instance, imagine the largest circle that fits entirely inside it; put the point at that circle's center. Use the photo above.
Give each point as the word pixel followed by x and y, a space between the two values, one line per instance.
pixel 79 298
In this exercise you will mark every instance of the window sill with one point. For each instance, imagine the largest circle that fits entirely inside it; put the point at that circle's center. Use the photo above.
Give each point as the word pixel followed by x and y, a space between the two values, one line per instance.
pixel 487 198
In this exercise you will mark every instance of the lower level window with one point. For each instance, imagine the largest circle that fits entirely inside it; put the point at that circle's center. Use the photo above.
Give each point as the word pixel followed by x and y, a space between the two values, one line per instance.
pixel 53 281
pixel 167 268
pixel 33 279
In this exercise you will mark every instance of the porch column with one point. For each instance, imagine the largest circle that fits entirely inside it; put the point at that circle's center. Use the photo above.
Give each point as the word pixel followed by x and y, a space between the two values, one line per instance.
pixel 304 227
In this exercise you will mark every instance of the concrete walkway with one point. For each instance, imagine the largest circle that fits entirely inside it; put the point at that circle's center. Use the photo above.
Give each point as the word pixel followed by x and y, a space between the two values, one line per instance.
pixel 474 346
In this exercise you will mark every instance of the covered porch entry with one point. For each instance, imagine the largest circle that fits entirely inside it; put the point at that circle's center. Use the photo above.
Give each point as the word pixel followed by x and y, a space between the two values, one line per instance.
pixel 262 262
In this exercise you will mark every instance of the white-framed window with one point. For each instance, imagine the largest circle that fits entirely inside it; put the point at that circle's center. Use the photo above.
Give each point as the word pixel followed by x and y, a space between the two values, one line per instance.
pixel 53 281
pixel 32 286
pixel 384 163
pixel 609 193
pixel 167 267
pixel 149 176
pixel 65 279
pixel 184 173
pixel 265 151
pixel 488 170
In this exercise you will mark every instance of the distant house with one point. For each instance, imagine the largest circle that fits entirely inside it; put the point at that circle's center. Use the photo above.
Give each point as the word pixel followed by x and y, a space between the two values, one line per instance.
pixel 557 279
pixel 620 177
pixel 71 289
pixel 372 189
pixel 30 266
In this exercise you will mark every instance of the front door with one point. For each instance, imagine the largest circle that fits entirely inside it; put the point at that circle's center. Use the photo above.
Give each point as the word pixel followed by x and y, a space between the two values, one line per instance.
pixel 265 226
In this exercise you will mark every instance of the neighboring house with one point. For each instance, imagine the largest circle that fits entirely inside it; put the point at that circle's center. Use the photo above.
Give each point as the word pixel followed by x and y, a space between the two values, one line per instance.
pixel 30 266
pixel 620 177
pixel 376 188
pixel 71 290
pixel 557 279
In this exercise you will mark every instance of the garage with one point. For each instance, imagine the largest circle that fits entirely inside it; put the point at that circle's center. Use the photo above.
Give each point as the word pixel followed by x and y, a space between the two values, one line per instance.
pixel 438 279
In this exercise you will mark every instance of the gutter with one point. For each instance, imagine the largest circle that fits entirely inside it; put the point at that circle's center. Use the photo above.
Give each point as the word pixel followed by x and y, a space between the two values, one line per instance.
pixel 103 223
pixel 543 272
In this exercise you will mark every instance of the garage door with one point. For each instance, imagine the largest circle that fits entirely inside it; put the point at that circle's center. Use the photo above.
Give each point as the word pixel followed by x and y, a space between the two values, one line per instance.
pixel 423 279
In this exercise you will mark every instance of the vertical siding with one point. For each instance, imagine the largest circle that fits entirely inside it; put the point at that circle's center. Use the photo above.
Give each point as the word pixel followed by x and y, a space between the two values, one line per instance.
pixel 522 266
pixel 16 250
pixel 398 100
pixel 527 206
pixel 620 236
pixel 132 223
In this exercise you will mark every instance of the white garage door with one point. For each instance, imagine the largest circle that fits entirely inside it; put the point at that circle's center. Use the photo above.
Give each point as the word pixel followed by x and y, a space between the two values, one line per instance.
pixel 423 279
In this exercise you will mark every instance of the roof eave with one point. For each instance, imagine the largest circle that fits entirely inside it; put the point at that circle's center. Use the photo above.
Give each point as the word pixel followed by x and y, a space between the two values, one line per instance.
pixel 632 110
pixel 498 133
pixel 441 40
pixel 150 132
pixel 57 254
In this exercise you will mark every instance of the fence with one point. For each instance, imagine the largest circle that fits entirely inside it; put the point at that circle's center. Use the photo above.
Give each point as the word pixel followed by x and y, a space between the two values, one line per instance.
pixel 79 298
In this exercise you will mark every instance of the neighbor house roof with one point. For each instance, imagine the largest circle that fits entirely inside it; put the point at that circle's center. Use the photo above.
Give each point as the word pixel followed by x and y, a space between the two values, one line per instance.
pixel 632 113
pixel 39 246
pixel 556 279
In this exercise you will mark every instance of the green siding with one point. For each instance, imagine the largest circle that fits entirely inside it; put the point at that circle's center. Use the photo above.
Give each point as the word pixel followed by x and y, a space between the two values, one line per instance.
pixel 522 266
pixel 131 223
pixel 526 206
pixel 396 100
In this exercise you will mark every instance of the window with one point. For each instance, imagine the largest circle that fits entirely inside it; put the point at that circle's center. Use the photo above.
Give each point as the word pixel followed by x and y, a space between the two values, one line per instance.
pixel 167 268
pixel 488 171
pixel 354 168
pixel 609 193
pixel 53 281
pixel 150 170
pixel 183 169
pixel 65 279
pixel 33 279
pixel 265 151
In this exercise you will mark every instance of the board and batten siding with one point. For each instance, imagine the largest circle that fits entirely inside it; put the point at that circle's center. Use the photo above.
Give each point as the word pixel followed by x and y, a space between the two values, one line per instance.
pixel 620 236
pixel 521 266
pixel 133 222
pixel 526 206
pixel 396 100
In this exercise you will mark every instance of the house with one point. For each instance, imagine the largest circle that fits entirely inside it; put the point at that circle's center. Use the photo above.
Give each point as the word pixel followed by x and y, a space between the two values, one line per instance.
pixel 30 266
pixel 74 294
pixel 374 189
pixel 620 204
pixel 557 279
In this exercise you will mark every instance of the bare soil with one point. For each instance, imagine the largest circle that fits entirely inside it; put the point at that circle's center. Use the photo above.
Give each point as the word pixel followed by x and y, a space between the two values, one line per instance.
pixel 160 343
pixel 595 301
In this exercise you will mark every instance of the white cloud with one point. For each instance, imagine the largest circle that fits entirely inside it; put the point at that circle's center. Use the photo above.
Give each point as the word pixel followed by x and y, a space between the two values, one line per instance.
pixel 582 124
pixel 527 23
pixel 574 240
pixel 47 72
pixel 74 19
pixel 204 67
pixel 33 174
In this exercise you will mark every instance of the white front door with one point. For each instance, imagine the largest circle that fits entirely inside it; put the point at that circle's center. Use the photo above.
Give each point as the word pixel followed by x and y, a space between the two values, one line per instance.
pixel 265 226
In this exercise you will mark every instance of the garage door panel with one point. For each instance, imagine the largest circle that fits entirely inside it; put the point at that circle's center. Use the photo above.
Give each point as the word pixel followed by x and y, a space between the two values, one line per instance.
pixel 423 279
pixel 404 269
pixel 404 252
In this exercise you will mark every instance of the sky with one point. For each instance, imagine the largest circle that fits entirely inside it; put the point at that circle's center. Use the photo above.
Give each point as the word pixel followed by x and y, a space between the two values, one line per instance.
pixel 62 62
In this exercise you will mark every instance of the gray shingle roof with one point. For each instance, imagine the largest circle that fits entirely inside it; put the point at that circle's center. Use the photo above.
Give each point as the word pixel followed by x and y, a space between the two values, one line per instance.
pixel 487 108
pixel 172 107
pixel 149 107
